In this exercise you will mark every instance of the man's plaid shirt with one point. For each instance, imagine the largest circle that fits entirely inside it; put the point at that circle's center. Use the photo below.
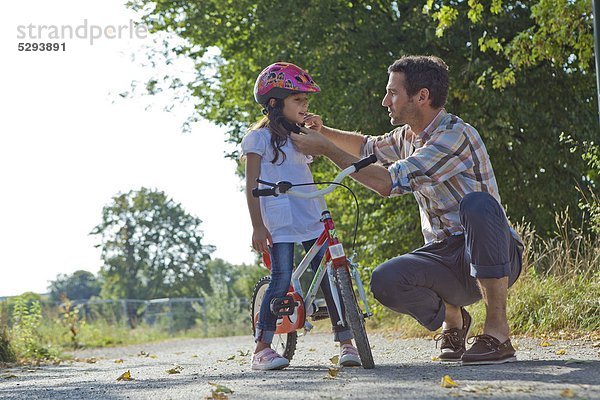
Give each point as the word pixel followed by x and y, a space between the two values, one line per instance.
pixel 439 166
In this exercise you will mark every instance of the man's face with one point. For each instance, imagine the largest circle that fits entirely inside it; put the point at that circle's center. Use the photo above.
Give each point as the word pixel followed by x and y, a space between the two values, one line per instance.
pixel 402 108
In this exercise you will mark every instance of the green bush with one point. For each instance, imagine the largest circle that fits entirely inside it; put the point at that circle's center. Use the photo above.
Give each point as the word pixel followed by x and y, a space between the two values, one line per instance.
pixel 25 334
pixel 7 353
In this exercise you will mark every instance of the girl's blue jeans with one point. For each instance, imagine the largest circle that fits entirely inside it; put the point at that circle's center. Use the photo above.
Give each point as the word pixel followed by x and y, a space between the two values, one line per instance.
pixel 282 264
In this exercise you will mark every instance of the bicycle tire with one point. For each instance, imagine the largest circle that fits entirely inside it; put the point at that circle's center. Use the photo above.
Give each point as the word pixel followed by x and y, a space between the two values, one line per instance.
pixel 283 344
pixel 354 317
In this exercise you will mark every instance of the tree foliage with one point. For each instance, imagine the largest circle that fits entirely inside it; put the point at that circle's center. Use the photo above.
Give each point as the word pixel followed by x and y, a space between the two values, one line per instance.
pixel 151 248
pixel 80 285
pixel 517 75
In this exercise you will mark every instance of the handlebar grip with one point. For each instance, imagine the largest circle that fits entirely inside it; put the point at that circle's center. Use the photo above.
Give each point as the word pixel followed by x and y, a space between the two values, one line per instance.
pixel 256 192
pixel 360 164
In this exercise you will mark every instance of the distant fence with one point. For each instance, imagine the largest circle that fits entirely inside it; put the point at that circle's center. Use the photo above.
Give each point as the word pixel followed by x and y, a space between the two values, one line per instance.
pixel 173 314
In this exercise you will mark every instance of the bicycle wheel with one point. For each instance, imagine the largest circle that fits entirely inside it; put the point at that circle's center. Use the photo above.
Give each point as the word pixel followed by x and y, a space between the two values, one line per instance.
pixel 354 317
pixel 284 344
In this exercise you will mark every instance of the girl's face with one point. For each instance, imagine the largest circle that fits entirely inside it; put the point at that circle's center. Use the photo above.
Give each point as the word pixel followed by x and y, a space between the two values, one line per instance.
pixel 295 107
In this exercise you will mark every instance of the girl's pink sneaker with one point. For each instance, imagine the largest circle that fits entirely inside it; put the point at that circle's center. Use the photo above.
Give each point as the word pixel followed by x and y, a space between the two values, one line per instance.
pixel 349 356
pixel 268 359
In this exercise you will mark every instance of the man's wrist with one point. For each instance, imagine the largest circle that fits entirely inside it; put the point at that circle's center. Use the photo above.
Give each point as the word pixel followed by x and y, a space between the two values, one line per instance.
pixel 325 131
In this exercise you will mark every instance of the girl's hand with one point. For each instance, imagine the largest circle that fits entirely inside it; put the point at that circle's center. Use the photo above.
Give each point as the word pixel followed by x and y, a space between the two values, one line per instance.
pixel 313 121
pixel 261 239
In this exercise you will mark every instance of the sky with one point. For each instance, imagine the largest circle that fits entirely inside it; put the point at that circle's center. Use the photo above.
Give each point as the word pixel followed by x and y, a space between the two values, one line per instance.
pixel 69 143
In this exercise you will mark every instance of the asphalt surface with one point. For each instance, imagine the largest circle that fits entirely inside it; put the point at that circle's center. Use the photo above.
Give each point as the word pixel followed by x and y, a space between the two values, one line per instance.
pixel 405 368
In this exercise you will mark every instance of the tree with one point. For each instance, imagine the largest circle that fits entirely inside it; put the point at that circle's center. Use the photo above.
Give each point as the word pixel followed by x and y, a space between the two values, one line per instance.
pixel 151 248
pixel 524 116
pixel 81 285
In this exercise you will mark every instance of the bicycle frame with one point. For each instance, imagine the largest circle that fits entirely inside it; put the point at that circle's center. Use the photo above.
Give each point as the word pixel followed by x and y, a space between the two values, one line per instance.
pixel 333 258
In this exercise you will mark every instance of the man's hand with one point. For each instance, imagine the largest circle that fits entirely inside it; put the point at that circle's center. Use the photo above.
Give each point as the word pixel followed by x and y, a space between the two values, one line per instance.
pixel 311 142
pixel 313 121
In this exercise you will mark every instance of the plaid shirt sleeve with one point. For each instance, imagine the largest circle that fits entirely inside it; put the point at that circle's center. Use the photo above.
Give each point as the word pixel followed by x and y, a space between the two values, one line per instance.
pixel 388 148
pixel 446 153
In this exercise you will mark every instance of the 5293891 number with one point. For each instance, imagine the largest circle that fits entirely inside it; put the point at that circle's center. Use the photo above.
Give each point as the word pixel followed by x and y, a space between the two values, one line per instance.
pixel 42 46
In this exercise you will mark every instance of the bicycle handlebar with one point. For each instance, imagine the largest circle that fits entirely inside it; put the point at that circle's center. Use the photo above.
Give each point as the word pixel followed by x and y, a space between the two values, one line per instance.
pixel 286 187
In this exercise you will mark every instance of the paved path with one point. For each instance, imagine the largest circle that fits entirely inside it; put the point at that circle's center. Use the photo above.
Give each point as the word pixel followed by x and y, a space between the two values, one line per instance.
pixel 404 369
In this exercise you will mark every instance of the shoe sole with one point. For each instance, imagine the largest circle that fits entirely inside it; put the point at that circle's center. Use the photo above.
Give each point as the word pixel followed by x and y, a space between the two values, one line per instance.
pixel 268 368
pixel 351 362
pixel 491 362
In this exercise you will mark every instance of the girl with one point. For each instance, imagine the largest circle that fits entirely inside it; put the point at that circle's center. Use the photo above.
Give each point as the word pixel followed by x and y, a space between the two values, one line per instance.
pixel 280 222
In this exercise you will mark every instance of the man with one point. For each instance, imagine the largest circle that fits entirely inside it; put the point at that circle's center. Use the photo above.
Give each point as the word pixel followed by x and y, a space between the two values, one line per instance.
pixel 470 251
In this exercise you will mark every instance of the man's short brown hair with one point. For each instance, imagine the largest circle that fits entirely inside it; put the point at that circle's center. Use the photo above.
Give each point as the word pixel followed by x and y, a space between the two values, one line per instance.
pixel 424 72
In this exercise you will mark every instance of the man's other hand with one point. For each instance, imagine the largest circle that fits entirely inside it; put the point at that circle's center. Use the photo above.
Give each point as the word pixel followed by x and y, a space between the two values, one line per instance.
pixel 310 142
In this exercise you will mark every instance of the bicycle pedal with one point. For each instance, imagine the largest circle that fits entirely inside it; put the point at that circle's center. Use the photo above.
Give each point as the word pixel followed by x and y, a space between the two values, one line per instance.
pixel 320 314
pixel 282 306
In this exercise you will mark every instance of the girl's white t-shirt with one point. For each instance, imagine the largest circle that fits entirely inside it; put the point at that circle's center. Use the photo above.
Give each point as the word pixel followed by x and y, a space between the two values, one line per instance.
pixel 289 219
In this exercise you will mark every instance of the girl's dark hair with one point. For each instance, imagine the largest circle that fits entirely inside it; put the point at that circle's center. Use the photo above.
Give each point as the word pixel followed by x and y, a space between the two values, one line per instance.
pixel 279 135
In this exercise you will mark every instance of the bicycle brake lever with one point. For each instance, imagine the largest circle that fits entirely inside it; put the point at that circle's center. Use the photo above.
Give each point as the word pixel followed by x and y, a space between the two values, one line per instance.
pixel 266 183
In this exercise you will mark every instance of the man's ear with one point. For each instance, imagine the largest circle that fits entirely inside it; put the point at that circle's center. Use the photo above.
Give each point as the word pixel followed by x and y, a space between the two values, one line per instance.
pixel 272 102
pixel 423 94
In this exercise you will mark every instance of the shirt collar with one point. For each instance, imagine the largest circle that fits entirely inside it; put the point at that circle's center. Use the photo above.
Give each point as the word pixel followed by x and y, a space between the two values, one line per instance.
pixel 426 133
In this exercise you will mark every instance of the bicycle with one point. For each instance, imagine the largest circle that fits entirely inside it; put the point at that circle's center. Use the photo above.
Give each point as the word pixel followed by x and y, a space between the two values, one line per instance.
pixel 293 309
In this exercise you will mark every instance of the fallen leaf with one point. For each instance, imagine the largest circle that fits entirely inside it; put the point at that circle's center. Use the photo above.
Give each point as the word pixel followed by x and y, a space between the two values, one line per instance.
pixel 561 352
pixel 335 359
pixel 220 388
pixel 545 343
pixel 244 353
pixel 194 355
pixel 312 349
pixel 8 376
pixel 91 360
pixel 175 370
pixel 435 358
pixel 333 372
pixel 153 356
pixel 447 382
pixel 126 376
pixel 567 393
pixel 119 361
pixel 216 396
pixel 231 357
pixel 142 353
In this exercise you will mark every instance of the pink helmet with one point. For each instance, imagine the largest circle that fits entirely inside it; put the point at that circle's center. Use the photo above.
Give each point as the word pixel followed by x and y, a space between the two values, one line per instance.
pixel 281 79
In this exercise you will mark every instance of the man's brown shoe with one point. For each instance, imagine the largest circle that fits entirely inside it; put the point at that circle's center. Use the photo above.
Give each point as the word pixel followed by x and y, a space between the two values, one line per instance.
pixel 453 340
pixel 487 349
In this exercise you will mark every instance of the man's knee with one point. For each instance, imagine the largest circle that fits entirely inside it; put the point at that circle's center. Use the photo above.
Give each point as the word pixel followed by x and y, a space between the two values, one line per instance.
pixel 476 205
pixel 388 284
pixel 379 285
